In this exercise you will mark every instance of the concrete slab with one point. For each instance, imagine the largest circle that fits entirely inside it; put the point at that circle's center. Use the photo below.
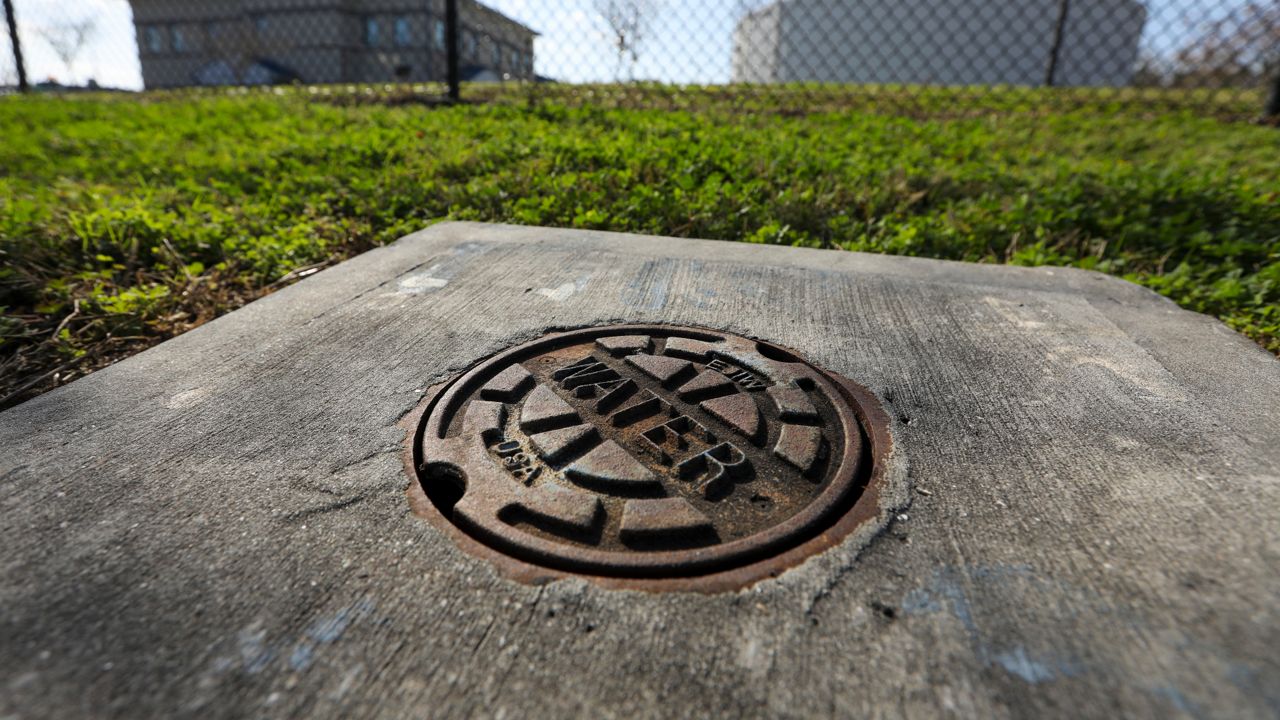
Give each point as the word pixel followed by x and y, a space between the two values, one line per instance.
pixel 218 526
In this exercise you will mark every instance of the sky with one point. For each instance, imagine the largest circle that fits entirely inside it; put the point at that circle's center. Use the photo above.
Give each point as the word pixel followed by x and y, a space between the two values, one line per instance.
pixel 110 56
pixel 689 41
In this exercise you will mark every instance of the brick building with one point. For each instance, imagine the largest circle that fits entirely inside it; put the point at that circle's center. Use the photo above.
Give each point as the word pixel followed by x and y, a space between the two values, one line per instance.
pixel 232 42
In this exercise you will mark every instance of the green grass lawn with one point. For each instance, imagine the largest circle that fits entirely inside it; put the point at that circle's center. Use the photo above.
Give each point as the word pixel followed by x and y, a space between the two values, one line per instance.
pixel 126 220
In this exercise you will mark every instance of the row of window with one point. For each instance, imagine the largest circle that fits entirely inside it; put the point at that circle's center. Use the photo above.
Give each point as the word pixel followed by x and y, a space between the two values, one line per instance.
pixel 401 32
pixel 160 38
pixel 516 60
pixel 401 36
pixel 153 38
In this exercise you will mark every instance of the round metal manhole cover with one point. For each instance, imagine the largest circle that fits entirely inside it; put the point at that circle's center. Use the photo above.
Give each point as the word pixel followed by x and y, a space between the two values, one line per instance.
pixel 643 453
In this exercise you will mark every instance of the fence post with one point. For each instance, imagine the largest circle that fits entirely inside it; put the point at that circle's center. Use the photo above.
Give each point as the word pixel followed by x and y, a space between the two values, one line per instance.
pixel 1272 110
pixel 17 46
pixel 1059 29
pixel 451 47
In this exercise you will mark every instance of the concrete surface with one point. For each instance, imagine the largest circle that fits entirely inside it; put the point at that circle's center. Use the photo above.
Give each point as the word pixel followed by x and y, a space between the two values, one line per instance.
pixel 217 527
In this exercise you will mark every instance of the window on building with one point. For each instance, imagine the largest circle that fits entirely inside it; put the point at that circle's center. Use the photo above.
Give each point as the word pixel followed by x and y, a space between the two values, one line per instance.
pixel 497 56
pixel 155 39
pixel 437 33
pixel 179 41
pixel 469 45
pixel 262 23
pixel 403 34
pixel 513 61
pixel 371 32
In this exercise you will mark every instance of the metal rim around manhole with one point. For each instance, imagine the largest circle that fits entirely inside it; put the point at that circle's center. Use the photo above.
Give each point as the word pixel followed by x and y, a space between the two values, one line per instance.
pixel 648 456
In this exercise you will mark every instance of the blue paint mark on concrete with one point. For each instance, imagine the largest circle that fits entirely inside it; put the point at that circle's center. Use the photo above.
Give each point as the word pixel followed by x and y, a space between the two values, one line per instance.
pixel 952 590
pixel 704 297
pixel 302 657
pixel 920 602
pixel 1248 679
pixel 1177 700
pixel 945 591
pixel 255 655
pixel 326 630
pixel 648 289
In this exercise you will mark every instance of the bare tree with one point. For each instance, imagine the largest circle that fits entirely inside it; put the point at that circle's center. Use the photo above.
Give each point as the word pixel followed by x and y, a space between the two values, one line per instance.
pixel 1152 69
pixel 1240 48
pixel 68 38
pixel 743 8
pixel 628 22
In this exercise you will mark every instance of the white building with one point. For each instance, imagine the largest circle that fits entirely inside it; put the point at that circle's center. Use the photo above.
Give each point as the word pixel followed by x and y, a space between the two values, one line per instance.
pixel 944 42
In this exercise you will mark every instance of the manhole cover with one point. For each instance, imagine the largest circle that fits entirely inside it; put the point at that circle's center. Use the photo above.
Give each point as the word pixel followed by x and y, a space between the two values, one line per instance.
pixel 650 452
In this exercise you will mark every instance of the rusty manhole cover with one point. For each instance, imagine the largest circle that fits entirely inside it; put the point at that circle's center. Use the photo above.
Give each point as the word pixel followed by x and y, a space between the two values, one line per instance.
pixel 645 453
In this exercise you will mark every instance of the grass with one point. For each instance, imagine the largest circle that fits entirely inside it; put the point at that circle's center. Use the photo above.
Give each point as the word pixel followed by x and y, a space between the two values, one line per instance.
pixel 126 220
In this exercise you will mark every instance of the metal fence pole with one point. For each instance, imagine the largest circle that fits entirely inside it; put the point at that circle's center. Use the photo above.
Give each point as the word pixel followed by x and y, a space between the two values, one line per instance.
pixel 17 46
pixel 1272 110
pixel 451 47
pixel 1059 29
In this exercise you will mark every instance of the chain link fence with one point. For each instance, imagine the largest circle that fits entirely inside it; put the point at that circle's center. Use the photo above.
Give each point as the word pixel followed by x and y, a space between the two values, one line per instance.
pixel 931 57
pixel 9 79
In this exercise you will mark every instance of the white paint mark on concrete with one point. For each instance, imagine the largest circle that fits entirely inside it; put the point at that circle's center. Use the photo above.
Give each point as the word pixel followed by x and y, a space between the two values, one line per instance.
pixel 754 655
pixel 1123 442
pixel 558 294
pixel 565 291
pixel 188 398
pixel 1099 369
pixel 1018 662
pixel 348 681
pixel 422 282
pixel 1015 314
pixel 439 274
pixel 1065 355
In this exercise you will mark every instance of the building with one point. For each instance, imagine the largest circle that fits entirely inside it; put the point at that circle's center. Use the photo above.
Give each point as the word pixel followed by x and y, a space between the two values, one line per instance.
pixel 255 42
pixel 945 42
